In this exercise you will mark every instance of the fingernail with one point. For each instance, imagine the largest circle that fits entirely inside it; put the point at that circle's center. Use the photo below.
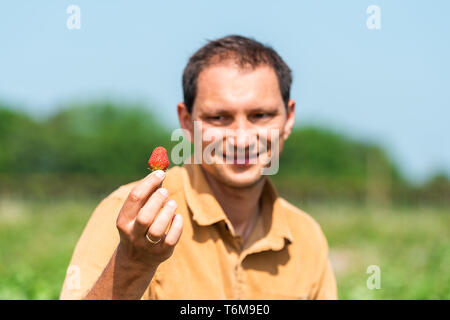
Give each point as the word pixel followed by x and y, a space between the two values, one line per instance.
pixel 160 174
pixel 163 191
pixel 172 203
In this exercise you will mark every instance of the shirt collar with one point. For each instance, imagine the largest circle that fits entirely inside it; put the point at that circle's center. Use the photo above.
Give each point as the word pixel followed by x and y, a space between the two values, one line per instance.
pixel 207 211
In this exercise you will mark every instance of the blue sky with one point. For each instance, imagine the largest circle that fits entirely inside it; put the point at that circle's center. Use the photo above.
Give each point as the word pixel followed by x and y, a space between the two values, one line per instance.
pixel 391 86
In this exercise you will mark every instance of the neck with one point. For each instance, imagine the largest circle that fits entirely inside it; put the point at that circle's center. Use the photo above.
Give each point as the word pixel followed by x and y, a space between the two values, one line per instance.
pixel 241 205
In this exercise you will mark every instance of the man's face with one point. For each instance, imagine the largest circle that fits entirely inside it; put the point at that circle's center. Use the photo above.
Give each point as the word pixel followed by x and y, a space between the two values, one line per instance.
pixel 245 106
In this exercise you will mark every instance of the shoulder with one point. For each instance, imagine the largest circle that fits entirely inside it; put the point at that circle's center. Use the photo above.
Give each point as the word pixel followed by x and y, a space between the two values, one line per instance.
pixel 302 224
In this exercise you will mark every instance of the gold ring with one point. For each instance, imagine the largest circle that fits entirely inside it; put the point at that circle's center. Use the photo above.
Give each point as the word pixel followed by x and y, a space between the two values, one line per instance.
pixel 150 240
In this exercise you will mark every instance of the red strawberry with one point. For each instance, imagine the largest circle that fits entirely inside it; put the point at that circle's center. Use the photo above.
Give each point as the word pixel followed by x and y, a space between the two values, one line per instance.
pixel 158 160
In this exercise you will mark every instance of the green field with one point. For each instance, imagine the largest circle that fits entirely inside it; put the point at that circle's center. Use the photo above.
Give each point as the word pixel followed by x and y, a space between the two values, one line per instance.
pixel 411 247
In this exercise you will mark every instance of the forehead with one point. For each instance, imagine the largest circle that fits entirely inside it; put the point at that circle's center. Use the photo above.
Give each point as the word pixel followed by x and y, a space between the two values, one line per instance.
pixel 227 85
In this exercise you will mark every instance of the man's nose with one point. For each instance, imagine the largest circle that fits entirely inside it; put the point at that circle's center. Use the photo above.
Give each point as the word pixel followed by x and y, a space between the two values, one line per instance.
pixel 243 134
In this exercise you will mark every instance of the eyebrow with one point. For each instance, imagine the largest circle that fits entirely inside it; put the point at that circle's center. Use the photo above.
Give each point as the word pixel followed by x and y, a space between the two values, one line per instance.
pixel 257 109
pixel 224 111
pixel 265 109
pixel 216 112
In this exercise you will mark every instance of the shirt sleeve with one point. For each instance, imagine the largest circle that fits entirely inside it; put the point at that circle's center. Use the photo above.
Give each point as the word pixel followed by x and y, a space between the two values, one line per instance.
pixel 93 250
pixel 325 287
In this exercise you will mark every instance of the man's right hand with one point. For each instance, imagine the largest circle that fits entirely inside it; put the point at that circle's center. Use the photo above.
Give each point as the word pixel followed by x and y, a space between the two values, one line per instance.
pixel 146 212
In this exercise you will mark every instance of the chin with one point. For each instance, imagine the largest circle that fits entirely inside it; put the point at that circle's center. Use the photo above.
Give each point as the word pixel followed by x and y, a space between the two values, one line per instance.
pixel 239 176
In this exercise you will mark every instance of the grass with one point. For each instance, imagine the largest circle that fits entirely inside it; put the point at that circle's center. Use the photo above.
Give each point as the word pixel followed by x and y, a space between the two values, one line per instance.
pixel 36 244
pixel 410 246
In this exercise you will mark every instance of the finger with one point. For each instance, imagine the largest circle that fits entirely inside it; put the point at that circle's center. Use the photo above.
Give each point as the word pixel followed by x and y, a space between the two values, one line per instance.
pixel 163 219
pixel 175 231
pixel 149 211
pixel 139 195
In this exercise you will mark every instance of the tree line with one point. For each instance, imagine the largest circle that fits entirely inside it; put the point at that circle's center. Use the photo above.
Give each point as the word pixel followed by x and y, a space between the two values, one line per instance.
pixel 91 149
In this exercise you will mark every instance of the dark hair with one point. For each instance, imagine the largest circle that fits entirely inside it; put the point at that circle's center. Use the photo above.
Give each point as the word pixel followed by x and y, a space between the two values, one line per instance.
pixel 245 52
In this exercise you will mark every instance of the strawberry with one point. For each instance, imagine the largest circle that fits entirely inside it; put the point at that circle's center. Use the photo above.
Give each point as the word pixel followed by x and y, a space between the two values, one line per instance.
pixel 158 160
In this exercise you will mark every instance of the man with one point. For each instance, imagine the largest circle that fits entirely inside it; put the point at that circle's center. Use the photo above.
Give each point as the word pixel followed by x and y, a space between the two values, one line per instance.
pixel 229 236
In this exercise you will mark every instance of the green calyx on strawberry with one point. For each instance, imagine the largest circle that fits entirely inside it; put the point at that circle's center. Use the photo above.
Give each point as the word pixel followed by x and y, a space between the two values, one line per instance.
pixel 158 160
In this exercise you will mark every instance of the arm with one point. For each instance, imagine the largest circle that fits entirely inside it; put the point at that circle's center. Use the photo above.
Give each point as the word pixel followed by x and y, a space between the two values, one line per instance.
pixel 325 288
pixel 121 279
pixel 128 269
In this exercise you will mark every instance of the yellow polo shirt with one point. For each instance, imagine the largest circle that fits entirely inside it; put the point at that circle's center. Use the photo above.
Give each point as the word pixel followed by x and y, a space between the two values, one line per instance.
pixel 285 256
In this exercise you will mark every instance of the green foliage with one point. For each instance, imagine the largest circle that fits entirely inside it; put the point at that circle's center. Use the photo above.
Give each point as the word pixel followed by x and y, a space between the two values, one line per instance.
pixel 37 241
pixel 409 246
pixel 104 139
pixel 21 141
pixel 318 164
pixel 321 153
pixel 98 139
pixel 92 149
pixel 95 147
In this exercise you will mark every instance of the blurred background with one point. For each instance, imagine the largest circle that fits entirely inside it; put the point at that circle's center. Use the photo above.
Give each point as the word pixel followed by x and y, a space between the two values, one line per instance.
pixel 82 109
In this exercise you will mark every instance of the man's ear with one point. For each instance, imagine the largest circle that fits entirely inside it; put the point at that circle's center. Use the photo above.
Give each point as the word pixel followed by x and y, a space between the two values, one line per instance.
pixel 185 119
pixel 290 119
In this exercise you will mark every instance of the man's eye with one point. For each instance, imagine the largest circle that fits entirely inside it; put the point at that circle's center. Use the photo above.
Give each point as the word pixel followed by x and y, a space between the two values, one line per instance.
pixel 261 115
pixel 215 118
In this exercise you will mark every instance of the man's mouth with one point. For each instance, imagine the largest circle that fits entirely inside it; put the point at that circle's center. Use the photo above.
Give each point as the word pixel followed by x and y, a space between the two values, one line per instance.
pixel 241 159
